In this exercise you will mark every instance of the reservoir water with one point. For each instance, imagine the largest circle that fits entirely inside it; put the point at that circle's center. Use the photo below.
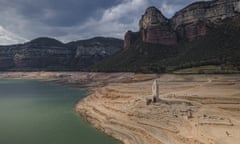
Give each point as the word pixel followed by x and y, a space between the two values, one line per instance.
pixel 36 112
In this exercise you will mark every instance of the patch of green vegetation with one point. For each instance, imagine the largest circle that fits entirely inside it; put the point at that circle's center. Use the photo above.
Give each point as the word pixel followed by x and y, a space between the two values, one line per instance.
pixel 210 69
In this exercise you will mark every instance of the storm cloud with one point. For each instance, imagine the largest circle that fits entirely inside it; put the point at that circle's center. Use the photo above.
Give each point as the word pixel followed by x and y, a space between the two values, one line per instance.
pixel 69 20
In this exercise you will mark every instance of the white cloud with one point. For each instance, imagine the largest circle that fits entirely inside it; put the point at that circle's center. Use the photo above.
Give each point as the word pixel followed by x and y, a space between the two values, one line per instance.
pixel 123 9
pixel 7 37
pixel 112 23
pixel 169 9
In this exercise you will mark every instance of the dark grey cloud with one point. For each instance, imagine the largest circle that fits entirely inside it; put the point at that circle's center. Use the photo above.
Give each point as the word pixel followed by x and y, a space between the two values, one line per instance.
pixel 78 19
pixel 59 12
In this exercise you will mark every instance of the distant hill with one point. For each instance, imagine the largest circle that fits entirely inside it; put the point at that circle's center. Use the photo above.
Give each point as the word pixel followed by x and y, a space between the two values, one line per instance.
pixel 53 55
pixel 201 34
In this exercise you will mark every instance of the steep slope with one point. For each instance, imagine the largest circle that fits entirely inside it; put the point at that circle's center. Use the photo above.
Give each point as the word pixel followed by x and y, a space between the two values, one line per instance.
pixel 90 51
pixel 51 54
pixel 43 53
pixel 199 38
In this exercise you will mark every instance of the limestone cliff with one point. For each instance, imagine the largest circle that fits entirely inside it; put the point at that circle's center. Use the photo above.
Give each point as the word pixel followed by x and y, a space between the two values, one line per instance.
pixel 152 17
pixel 51 54
pixel 193 21
pixel 210 11
pixel 88 52
pixel 155 28
pixel 189 23
pixel 129 38
pixel 42 52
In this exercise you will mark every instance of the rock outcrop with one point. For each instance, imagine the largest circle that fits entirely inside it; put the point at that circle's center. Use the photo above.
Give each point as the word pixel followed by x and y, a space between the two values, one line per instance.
pixel 195 40
pixel 88 52
pixel 50 54
pixel 155 28
pixel 159 35
pixel 129 38
pixel 42 53
pixel 6 56
pixel 193 20
pixel 152 17
pixel 190 23
pixel 210 11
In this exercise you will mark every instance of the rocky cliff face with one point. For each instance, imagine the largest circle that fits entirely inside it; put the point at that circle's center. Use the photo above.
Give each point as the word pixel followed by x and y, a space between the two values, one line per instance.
pixel 155 28
pixel 210 11
pixel 189 23
pixel 50 54
pixel 129 38
pixel 42 53
pixel 193 20
pixel 88 52
pixel 152 17
pixel 6 56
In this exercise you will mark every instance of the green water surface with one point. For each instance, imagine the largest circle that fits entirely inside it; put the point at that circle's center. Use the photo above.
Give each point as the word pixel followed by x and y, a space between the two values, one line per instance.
pixel 36 112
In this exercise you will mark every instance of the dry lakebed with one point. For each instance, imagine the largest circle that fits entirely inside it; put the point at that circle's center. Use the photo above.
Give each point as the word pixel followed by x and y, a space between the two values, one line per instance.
pixel 193 109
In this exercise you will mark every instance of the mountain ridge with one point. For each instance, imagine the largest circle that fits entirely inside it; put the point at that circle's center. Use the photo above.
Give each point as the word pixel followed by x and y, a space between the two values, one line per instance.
pixel 189 23
pixel 52 55
pixel 203 33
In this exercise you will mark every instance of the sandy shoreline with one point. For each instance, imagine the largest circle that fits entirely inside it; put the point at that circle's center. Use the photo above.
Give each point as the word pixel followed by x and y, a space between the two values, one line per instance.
pixel 119 109
pixel 117 106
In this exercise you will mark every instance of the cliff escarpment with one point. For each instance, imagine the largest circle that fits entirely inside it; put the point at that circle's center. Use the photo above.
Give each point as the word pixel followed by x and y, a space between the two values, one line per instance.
pixel 202 34
pixel 51 54
pixel 188 24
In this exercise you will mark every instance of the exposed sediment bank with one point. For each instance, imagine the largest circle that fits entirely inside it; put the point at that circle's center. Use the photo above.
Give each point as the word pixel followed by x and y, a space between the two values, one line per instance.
pixel 195 109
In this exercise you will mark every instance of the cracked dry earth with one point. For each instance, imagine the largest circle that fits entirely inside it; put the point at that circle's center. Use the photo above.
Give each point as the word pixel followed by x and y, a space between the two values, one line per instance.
pixel 194 109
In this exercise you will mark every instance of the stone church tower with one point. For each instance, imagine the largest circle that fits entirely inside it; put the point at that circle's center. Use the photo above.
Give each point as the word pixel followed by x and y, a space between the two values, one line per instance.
pixel 155 91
